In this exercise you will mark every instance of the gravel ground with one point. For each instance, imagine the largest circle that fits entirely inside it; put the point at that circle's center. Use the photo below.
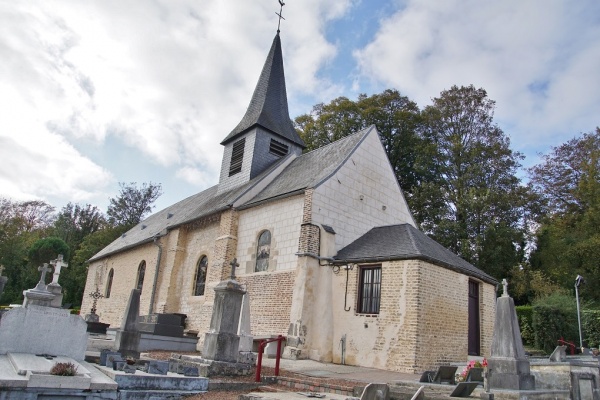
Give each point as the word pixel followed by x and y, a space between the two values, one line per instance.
pixel 234 394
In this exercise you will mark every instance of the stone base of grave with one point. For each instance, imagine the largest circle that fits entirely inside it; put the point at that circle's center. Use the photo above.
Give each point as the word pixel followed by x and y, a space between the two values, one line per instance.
pixel 97 327
pixel 210 368
pixel 527 395
pixel 26 376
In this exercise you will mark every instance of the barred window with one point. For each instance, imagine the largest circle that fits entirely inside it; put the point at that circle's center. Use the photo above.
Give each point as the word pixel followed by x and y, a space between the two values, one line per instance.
pixel 237 156
pixel 369 294
pixel 263 251
pixel 200 279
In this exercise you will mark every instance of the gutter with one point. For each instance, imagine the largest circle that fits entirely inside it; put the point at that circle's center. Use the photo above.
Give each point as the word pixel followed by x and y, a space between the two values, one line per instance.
pixel 156 270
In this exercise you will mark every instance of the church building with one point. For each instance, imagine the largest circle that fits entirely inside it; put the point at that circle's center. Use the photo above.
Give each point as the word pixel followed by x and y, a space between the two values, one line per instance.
pixel 327 248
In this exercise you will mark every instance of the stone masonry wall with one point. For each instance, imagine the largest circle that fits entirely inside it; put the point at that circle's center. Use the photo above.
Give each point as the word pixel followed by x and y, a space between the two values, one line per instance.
pixel 422 323
pixel 270 301
pixel 362 194
pixel 125 267
pixel 282 218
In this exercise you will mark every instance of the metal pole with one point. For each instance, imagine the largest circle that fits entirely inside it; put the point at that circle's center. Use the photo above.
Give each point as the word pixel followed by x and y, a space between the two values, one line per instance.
pixel 578 314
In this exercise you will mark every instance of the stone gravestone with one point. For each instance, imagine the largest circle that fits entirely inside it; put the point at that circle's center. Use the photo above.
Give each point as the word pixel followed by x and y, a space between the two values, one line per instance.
pixel 508 363
pixel 40 329
pixel 221 342
pixel 53 287
pixel 127 339
pixel 39 295
pixel 244 330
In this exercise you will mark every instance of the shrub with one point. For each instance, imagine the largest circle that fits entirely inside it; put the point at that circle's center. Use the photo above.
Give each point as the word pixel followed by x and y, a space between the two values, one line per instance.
pixel 554 317
pixel 590 325
pixel 525 317
pixel 64 369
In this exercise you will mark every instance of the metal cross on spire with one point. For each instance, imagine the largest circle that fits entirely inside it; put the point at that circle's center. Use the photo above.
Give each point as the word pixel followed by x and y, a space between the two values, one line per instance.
pixel 281 3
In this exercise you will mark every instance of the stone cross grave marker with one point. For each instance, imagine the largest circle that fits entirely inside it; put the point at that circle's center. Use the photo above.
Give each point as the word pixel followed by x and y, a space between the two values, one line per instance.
pixel 234 264
pixel 58 264
pixel 504 288
pixel 42 283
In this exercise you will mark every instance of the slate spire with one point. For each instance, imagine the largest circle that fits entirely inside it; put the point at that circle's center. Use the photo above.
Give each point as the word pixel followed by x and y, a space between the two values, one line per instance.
pixel 268 107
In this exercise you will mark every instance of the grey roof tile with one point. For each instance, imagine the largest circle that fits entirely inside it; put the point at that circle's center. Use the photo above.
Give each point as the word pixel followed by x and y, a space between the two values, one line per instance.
pixel 402 242
pixel 268 106
pixel 308 170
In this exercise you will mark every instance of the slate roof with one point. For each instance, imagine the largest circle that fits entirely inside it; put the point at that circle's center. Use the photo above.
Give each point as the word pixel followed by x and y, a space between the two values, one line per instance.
pixel 308 170
pixel 313 168
pixel 268 106
pixel 405 242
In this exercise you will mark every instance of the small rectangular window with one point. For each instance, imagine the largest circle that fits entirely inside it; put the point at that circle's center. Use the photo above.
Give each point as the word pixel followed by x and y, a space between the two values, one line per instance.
pixel 237 156
pixel 278 148
pixel 369 290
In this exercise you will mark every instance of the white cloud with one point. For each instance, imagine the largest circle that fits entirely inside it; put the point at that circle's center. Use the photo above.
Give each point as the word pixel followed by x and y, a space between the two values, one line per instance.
pixel 537 59
pixel 170 79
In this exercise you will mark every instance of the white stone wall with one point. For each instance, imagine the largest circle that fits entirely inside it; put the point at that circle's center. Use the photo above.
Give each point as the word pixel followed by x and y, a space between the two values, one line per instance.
pixel 362 194
pixel 227 182
pixel 125 267
pixel 283 218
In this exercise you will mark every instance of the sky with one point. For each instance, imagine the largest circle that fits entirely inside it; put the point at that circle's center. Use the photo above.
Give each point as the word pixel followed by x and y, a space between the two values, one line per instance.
pixel 93 93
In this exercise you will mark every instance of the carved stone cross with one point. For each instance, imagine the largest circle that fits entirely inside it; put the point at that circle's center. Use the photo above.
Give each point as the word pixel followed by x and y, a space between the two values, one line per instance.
pixel 234 264
pixel 44 268
pixel 58 264
pixel 504 288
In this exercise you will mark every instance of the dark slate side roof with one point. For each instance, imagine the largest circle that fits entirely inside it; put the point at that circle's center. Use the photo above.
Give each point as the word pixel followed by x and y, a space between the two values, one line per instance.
pixel 404 242
pixel 268 106
pixel 308 170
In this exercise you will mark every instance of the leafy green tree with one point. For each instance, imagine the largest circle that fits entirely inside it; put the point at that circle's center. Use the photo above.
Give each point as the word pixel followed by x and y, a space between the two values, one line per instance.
pixel 21 224
pixel 73 224
pixel 90 245
pixel 46 250
pixel 397 119
pixel 476 205
pixel 132 203
pixel 568 239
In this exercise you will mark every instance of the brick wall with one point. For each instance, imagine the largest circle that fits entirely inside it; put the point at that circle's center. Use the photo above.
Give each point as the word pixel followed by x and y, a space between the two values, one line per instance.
pixel 270 301
pixel 422 323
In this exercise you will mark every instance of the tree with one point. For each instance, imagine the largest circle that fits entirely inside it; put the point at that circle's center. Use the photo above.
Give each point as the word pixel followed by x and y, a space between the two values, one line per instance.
pixel 397 119
pixel 46 250
pixel 73 225
pixel 21 224
pixel 476 204
pixel 133 203
pixel 568 239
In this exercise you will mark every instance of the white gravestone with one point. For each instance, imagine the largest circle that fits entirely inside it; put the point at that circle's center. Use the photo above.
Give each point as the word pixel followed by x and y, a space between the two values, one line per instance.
pixel 43 330
pixel 53 287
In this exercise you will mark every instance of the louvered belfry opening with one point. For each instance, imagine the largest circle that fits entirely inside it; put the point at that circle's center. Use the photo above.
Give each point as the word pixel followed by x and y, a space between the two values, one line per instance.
pixel 237 156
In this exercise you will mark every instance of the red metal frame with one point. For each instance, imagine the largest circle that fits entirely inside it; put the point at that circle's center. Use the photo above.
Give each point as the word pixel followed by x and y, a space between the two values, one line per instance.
pixel 571 345
pixel 261 348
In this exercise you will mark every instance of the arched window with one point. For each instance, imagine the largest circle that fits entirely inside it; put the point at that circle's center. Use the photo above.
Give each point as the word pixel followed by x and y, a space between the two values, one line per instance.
pixel 263 251
pixel 140 275
pixel 111 273
pixel 200 279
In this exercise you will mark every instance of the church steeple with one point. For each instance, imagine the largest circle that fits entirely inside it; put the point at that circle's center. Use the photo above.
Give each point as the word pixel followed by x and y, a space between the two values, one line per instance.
pixel 268 107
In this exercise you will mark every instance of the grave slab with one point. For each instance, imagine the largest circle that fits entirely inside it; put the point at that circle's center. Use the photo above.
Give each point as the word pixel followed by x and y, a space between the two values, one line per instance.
pixel 145 381
pixel 39 329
